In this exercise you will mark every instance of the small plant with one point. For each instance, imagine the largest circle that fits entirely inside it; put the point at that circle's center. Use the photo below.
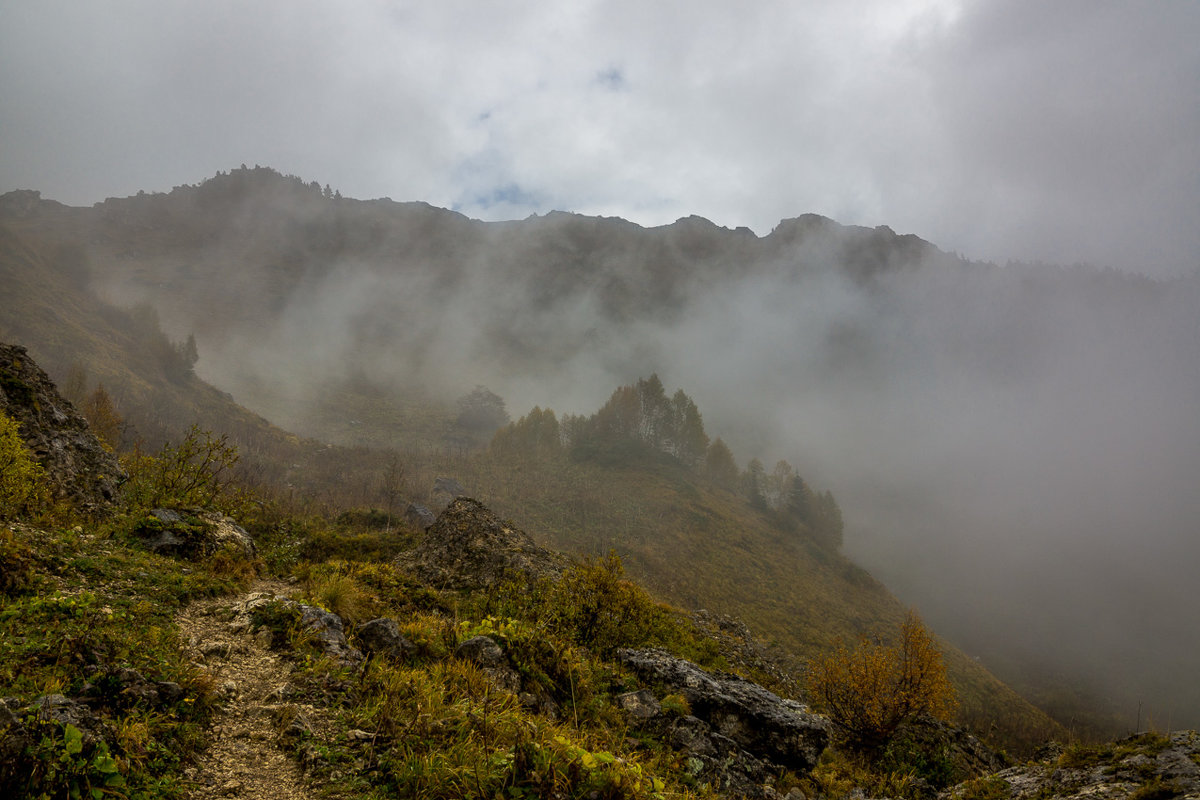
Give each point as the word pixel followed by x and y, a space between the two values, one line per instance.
pixel 869 692
pixel 64 765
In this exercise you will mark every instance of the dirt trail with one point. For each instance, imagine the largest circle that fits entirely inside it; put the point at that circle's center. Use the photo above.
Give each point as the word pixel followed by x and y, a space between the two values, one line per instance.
pixel 245 759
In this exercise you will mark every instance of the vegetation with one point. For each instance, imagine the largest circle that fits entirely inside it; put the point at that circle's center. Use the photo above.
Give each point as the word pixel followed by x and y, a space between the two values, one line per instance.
pixel 22 481
pixel 870 691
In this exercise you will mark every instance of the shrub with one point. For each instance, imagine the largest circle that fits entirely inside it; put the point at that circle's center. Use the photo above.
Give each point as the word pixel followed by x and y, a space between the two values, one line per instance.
pixel 595 606
pixel 869 692
pixel 198 473
pixel 22 480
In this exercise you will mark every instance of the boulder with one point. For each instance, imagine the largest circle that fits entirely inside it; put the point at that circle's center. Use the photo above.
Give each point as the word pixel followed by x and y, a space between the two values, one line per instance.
pixel 1145 766
pixel 79 469
pixel 765 725
pixel 469 547
pixel 325 627
pixel 489 657
pixel 382 637
pixel 419 517
pixel 193 534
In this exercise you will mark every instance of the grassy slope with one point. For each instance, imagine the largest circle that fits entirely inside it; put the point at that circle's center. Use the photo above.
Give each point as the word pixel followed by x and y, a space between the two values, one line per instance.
pixel 699 546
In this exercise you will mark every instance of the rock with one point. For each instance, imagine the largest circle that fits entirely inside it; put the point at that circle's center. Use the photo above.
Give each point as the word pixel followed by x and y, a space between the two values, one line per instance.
pixel 765 725
pixel 489 657
pixel 446 491
pixel 328 629
pixel 382 637
pixel 80 470
pixel 1146 765
pixel 469 547
pixel 419 517
pixel 968 757
pixel 66 711
pixel 193 534
pixel 640 705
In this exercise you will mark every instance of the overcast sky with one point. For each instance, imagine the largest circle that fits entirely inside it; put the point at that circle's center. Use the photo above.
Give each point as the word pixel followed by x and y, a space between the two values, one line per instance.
pixel 1060 131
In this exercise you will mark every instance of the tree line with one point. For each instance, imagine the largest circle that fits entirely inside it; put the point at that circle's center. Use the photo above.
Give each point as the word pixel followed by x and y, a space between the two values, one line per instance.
pixel 641 422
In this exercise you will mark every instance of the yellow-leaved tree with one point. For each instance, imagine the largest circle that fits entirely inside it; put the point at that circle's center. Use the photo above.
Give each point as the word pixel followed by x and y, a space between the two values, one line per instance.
pixel 22 480
pixel 871 690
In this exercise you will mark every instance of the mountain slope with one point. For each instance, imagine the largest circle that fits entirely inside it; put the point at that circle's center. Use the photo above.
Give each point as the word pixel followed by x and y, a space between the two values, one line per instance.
pixel 996 436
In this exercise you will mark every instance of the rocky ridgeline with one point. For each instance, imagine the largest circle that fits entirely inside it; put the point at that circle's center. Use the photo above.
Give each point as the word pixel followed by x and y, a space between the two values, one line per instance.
pixel 79 468
pixel 1143 767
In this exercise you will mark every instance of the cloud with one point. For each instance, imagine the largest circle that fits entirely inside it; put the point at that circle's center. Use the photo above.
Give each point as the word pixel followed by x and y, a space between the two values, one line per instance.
pixel 1061 132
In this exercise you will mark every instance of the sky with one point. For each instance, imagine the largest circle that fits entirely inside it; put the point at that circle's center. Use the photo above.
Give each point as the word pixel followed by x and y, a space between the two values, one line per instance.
pixel 1062 132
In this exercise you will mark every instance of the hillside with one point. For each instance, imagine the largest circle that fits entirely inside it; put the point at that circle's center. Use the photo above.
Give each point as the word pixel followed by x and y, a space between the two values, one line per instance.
pixel 705 548
pixel 167 652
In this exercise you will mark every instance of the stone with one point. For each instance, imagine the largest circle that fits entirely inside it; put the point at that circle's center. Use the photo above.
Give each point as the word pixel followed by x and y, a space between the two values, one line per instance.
pixel 382 637
pixel 640 705
pixel 771 728
pixel 193 534
pixel 419 516
pixel 469 547
pixel 489 657
pixel 78 467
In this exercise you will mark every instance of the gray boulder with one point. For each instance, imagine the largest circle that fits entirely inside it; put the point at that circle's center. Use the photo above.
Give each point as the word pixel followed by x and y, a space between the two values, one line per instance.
pixel 193 534
pixel 1143 766
pixel 382 637
pixel 469 547
pixel 419 516
pixel 760 722
pixel 489 657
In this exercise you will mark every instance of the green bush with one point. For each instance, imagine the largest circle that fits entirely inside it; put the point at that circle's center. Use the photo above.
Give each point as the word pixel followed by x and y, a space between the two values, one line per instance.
pixel 196 473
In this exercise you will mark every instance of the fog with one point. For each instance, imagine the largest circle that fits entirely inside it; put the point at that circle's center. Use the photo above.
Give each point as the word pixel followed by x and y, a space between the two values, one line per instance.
pixel 1015 448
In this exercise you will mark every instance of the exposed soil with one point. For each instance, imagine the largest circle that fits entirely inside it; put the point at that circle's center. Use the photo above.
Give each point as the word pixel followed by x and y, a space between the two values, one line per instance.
pixel 246 758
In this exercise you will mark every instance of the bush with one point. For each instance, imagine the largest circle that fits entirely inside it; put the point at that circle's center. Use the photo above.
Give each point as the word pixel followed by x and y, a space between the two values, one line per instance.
pixel 198 473
pixel 23 488
pixel 869 692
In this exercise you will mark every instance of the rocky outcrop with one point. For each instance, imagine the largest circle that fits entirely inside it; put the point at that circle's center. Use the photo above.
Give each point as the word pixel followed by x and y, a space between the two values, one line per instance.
pixel 419 517
pixel 737 735
pixel 260 609
pixel 193 534
pixel 1147 767
pixel 79 468
pixel 469 547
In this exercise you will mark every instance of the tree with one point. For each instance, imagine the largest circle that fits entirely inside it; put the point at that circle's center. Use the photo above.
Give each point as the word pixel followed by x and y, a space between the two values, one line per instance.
pixel 98 409
pixel 481 412
pixel 22 480
pixel 869 692
pixel 752 484
pixel 720 466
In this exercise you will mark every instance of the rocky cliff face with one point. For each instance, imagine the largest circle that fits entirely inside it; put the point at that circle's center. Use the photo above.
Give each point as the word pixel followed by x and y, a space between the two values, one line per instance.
pixel 79 468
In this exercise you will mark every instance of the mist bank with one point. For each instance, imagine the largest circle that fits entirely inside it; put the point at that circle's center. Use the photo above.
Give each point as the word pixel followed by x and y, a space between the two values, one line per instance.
pixel 1014 447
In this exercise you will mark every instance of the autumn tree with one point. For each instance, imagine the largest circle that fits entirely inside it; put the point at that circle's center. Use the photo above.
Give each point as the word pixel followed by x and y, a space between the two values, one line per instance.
pixel 481 412
pixel 22 480
pixel 720 466
pixel 870 691
pixel 100 412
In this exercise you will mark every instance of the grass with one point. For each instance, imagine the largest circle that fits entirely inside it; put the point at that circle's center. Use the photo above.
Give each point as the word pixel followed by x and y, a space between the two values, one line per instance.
pixel 97 605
